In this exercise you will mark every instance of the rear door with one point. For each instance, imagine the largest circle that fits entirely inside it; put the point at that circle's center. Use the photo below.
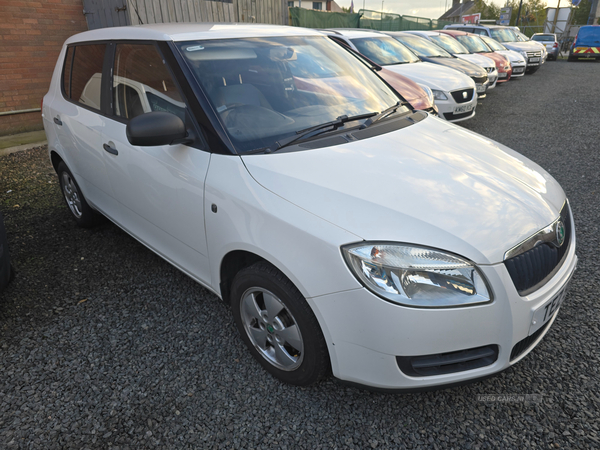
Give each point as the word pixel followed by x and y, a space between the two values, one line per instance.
pixel 76 112
pixel 159 190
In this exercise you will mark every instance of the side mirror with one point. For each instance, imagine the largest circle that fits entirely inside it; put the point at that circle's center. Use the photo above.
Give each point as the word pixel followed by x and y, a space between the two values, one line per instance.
pixel 156 128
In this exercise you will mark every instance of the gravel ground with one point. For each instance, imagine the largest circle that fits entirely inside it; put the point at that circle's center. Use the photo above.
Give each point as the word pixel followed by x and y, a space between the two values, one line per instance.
pixel 104 345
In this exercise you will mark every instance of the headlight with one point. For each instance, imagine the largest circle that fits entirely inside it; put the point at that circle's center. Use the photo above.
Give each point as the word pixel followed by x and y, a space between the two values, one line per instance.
pixel 429 93
pixel 417 276
pixel 439 95
pixel 524 53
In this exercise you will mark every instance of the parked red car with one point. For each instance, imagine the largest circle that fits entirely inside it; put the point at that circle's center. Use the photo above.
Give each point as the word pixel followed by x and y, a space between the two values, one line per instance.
pixel 413 93
pixel 475 44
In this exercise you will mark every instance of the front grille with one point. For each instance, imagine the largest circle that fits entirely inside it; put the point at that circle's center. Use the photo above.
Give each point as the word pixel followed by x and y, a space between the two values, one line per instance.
pixel 534 54
pixel 444 363
pixel 523 345
pixel 518 69
pixel 452 116
pixel 460 97
pixel 531 270
pixel 480 80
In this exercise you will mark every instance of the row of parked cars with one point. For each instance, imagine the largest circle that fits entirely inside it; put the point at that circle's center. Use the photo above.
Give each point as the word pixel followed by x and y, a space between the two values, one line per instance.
pixel 350 231
pixel 453 67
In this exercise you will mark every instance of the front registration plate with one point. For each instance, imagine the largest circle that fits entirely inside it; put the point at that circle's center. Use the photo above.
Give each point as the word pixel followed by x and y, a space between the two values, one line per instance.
pixel 463 109
pixel 480 88
pixel 502 75
pixel 547 310
pixel 534 59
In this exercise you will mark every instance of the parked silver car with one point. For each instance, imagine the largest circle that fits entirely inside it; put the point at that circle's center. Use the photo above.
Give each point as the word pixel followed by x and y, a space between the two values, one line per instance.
pixel 550 42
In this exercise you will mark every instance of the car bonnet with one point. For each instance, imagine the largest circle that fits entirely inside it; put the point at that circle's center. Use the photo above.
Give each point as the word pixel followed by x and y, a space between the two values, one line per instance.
pixel 480 60
pixel 431 183
pixel 434 76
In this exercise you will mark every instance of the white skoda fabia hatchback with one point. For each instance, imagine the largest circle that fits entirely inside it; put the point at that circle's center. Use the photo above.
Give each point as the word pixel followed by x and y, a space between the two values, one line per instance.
pixel 348 232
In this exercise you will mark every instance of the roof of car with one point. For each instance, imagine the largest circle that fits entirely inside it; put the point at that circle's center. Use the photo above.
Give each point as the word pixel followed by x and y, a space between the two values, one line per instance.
pixel 397 33
pixel 424 32
pixel 455 32
pixel 353 32
pixel 482 25
pixel 190 31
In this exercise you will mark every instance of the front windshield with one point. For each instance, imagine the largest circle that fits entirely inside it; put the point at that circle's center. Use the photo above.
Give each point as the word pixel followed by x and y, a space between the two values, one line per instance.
pixel 521 37
pixel 423 47
pixel 473 43
pixel 266 89
pixel 450 44
pixel 503 35
pixel 493 44
pixel 384 51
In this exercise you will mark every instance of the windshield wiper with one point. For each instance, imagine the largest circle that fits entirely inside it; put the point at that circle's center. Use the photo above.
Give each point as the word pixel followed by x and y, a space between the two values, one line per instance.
pixel 302 133
pixel 381 115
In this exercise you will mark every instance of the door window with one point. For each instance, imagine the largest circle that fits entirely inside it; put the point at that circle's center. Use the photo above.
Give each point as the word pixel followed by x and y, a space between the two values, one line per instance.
pixel 82 77
pixel 142 83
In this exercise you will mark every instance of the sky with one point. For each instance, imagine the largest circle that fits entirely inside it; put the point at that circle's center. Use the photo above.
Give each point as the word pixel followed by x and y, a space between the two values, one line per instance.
pixel 420 8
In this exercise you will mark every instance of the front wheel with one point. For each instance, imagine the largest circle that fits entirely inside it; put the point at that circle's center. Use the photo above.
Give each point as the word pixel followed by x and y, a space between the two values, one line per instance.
pixel 83 214
pixel 278 325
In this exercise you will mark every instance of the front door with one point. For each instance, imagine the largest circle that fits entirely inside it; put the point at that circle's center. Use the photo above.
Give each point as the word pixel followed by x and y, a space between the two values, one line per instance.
pixel 159 190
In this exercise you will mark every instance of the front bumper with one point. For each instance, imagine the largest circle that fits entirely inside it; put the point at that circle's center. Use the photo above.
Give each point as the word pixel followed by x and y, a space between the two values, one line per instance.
pixel 518 70
pixel 452 111
pixel 366 335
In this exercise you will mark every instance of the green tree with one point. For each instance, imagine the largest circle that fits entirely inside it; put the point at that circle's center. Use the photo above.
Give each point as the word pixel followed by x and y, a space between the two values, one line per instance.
pixel 532 12
pixel 489 11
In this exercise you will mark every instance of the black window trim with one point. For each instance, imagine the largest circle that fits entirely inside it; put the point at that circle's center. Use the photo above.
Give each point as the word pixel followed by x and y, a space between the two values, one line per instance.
pixel 62 75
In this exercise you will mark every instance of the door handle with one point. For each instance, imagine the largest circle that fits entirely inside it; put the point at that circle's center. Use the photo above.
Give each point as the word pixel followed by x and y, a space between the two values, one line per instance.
pixel 111 150
pixel 57 121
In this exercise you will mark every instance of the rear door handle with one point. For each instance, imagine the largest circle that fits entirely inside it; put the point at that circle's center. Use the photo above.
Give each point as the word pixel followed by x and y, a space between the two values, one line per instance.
pixel 57 121
pixel 111 150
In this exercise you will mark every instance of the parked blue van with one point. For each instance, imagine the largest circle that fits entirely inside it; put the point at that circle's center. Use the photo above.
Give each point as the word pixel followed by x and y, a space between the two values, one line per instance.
pixel 586 43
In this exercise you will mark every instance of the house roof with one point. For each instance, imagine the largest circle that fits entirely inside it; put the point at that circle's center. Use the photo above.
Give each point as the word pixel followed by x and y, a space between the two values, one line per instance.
pixel 457 10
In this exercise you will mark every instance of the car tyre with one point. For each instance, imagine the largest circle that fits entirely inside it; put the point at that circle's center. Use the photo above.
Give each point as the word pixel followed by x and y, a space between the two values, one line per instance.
pixel 278 326
pixel 81 211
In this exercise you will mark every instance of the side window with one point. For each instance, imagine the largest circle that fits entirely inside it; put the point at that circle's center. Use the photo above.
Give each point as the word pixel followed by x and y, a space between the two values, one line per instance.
pixel 85 80
pixel 142 83
pixel 66 82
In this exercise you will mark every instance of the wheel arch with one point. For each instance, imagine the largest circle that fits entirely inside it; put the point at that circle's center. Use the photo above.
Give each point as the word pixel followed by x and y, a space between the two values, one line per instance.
pixel 56 160
pixel 231 264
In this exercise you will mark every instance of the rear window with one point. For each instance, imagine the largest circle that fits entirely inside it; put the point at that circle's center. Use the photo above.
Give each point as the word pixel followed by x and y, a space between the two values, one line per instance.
pixel 543 37
pixel 82 75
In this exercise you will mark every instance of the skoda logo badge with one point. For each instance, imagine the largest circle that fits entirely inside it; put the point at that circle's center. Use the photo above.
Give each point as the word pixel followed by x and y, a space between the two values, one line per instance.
pixel 560 233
